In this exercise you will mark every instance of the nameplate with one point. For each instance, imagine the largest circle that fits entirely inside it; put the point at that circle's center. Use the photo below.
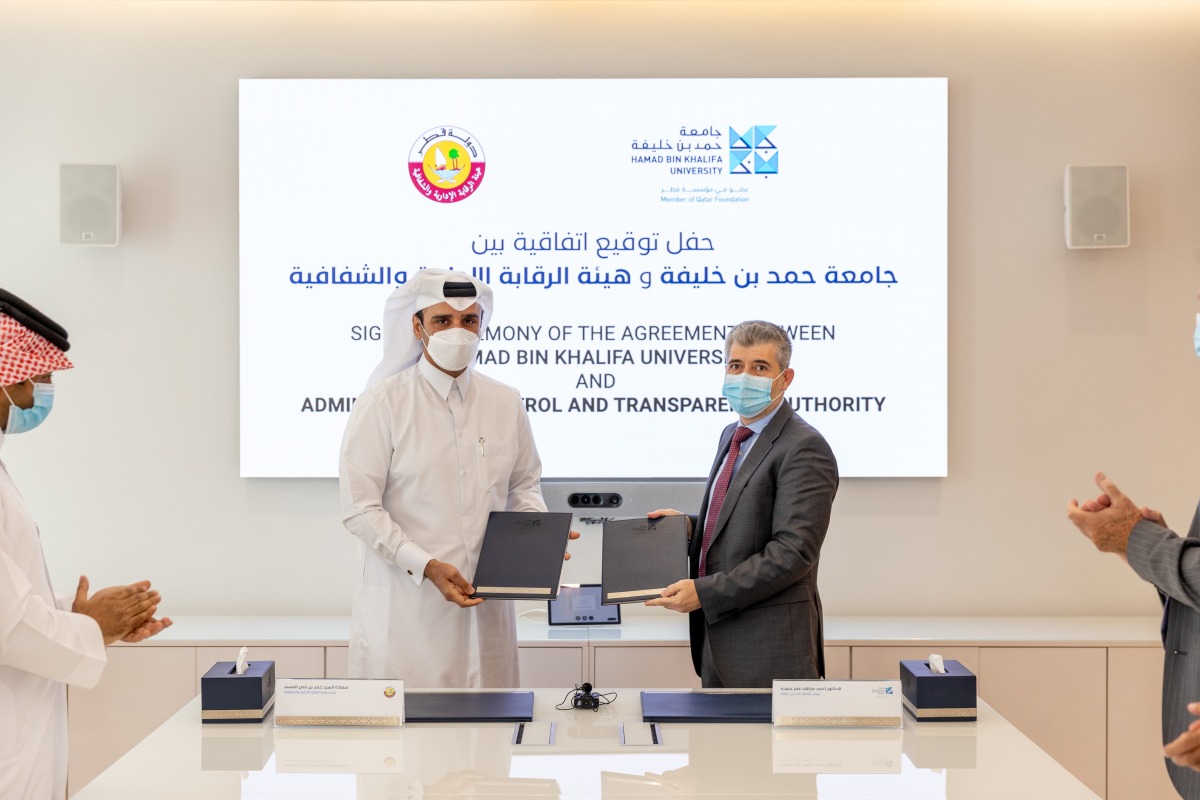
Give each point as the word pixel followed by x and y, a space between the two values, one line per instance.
pixel 836 704
pixel 369 703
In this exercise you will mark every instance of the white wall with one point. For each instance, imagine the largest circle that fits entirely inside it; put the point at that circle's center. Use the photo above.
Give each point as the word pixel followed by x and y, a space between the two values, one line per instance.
pixel 1061 362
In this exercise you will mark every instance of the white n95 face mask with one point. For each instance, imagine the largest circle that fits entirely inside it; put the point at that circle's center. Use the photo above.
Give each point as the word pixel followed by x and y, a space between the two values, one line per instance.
pixel 453 349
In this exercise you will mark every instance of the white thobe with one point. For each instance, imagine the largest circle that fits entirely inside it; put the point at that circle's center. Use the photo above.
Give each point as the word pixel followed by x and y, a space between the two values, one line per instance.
pixel 43 647
pixel 425 459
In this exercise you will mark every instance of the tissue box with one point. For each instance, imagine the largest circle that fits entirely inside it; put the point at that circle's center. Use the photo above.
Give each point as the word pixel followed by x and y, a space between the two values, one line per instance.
pixel 226 696
pixel 938 697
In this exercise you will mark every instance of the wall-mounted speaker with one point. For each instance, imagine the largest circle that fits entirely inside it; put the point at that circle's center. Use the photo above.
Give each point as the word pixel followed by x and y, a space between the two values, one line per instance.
pixel 1097 203
pixel 89 204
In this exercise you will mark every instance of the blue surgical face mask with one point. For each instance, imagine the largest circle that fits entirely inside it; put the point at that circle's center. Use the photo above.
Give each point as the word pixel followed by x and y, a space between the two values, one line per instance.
pixel 1196 336
pixel 748 395
pixel 22 420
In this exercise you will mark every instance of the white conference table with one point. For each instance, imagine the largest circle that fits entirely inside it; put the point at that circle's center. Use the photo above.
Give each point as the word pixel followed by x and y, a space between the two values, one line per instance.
pixel 187 759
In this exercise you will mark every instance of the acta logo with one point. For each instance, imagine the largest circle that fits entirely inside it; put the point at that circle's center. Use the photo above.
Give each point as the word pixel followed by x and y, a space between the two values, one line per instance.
pixel 446 164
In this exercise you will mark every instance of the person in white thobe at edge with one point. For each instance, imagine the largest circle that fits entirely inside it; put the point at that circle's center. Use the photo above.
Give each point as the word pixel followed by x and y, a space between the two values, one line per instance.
pixel 46 641
pixel 431 448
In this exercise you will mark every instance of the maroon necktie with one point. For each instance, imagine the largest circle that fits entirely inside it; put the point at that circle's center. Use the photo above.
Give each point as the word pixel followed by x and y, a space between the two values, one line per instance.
pixel 718 494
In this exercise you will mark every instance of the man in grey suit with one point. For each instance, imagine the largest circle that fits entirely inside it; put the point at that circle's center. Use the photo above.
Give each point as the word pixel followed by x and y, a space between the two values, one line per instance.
pixel 755 612
pixel 1172 563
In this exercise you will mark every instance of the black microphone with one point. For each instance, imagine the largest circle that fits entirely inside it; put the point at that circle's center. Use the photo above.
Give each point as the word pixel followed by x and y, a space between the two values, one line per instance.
pixel 585 698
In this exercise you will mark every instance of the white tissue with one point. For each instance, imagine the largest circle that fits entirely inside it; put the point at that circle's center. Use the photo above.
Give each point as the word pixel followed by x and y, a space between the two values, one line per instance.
pixel 936 665
pixel 243 654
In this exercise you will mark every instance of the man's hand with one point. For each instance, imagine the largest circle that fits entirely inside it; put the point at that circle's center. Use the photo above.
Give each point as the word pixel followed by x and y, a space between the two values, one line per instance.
pixel 680 596
pixel 1153 516
pixel 118 610
pixel 1102 502
pixel 451 583
pixel 1185 749
pixel 1108 519
pixel 151 627
pixel 573 535
pixel 670 512
pixel 1099 504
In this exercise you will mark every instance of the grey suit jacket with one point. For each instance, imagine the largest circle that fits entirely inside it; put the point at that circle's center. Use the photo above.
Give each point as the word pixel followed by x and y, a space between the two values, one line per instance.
pixel 1172 564
pixel 759 606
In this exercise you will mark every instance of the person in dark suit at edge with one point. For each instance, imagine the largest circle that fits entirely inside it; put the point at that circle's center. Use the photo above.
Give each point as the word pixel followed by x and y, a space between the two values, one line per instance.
pixel 1140 536
pixel 754 548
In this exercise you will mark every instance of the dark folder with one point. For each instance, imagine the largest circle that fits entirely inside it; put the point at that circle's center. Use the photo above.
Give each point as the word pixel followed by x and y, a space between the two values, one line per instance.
pixel 522 555
pixel 706 707
pixel 468 707
pixel 641 557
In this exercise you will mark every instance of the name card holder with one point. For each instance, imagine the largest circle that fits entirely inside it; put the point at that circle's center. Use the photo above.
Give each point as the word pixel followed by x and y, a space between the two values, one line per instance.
pixel 346 702
pixel 836 704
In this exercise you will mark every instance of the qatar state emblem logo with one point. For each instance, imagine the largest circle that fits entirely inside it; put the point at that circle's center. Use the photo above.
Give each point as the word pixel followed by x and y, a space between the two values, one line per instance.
pixel 446 164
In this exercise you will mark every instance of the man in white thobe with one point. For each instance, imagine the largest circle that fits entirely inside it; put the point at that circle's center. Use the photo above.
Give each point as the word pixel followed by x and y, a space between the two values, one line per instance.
pixel 431 448
pixel 46 641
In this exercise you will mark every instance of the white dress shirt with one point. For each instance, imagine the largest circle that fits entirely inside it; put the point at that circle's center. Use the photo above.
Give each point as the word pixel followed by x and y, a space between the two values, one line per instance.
pixel 425 459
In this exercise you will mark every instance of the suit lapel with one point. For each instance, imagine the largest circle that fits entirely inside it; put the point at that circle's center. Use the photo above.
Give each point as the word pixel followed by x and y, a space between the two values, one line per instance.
pixel 762 446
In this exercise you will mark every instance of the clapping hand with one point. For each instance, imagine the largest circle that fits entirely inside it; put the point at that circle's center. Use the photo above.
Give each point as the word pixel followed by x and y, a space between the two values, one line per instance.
pixel 122 612
pixel 1185 749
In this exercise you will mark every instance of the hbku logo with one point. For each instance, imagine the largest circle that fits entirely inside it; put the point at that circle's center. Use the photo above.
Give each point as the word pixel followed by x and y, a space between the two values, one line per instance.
pixel 753 152
pixel 446 164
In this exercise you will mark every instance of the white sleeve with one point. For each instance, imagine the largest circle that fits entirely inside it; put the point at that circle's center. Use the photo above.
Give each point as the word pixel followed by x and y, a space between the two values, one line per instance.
pixel 525 483
pixel 43 640
pixel 363 469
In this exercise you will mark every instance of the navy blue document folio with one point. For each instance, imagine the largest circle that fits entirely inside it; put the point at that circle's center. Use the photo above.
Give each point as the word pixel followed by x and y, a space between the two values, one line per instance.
pixel 706 707
pixel 468 706
pixel 522 555
pixel 641 557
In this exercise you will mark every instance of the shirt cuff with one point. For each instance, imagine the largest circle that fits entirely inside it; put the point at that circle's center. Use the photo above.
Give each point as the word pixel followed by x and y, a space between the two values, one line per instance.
pixel 87 673
pixel 412 558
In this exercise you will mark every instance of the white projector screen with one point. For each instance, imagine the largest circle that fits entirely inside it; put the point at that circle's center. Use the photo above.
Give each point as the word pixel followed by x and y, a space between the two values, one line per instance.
pixel 625 226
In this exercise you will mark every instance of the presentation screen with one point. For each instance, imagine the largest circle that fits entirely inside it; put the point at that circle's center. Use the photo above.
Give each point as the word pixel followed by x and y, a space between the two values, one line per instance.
pixel 625 226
